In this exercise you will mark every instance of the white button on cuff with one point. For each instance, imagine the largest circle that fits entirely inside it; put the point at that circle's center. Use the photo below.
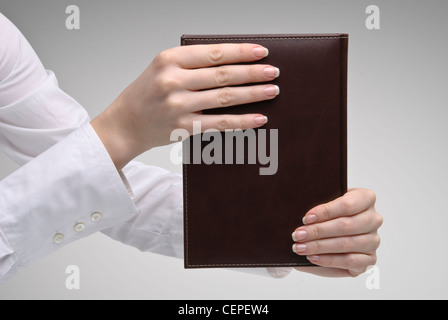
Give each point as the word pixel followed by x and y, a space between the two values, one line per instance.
pixel 96 216
pixel 58 238
pixel 79 227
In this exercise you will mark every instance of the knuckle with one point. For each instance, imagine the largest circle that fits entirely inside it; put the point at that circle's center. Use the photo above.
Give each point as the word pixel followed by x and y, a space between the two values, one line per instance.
pixel 374 260
pixel 252 74
pixel 316 246
pixel 225 96
pixel 174 103
pixel 317 231
pixel 164 58
pixel 216 53
pixel 351 262
pixel 379 220
pixel 354 273
pixel 372 196
pixel 167 83
pixel 345 225
pixel 222 76
pixel 183 123
pixel 376 242
pixel 329 260
pixel 243 124
pixel 346 244
pixel 348 204
pixel 253 94
pixel 242 50
pixel 326 212
pixel 223 124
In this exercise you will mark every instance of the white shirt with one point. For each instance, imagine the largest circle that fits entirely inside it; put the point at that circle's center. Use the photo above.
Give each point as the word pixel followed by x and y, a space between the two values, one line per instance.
pixel 68 187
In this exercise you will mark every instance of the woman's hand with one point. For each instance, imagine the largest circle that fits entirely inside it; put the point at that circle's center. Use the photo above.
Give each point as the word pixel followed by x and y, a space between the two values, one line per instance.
pixel 340 235
pixel 176 87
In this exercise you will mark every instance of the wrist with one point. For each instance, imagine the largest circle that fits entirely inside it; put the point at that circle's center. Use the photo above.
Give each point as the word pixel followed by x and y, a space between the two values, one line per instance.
pixel 113 138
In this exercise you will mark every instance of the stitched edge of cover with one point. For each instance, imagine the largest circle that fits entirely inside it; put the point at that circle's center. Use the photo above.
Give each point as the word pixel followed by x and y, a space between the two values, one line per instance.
pixel 184 41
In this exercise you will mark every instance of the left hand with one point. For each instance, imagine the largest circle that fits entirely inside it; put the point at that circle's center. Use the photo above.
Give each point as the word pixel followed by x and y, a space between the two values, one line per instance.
pixel 341 236
pixel 176 87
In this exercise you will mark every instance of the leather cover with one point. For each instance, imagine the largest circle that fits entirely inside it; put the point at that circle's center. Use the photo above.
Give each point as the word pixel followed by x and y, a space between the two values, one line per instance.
pixel 233 215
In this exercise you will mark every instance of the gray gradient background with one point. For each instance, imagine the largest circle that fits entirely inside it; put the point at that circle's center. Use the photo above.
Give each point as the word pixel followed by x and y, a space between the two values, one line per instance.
pixel 397 137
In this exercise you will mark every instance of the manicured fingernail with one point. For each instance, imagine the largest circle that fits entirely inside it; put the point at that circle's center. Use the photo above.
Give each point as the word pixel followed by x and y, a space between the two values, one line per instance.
pixel 313 258
pixel 261 120
pixel 272 91
pixel 261 52
pixel 309 219
pixel 299 235
pixel 272 72
pixel 299 248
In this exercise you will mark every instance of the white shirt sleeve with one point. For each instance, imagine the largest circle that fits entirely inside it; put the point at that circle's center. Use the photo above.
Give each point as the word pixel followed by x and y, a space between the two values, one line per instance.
pixel 67 187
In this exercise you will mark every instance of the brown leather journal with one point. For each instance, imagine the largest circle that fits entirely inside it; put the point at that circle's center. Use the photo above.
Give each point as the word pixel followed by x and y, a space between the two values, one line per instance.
pixel 245 192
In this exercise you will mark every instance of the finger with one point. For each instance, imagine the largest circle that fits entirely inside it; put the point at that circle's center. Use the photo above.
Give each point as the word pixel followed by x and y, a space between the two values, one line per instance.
pixel 325 272
pixel 365 243
pixel 354 263
pixel 365 222
pixel 223 76
pixel 229 96
pixel 228 121
pixel 202 56
pixel 353 202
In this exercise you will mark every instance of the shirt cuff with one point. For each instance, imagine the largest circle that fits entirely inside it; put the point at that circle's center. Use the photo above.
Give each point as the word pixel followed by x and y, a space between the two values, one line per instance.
pixel 68 192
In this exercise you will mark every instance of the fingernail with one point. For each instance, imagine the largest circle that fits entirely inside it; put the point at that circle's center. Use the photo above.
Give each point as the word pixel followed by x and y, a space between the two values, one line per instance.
pixel 313 258
pixel 272 72
pixel 261 52
pixel 261 120
pixel 299 235
pixel 298 248
pixel 309 219
pixel 272 91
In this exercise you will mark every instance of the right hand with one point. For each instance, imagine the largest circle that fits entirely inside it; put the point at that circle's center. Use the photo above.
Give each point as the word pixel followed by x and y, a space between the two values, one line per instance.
pixel 171 93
